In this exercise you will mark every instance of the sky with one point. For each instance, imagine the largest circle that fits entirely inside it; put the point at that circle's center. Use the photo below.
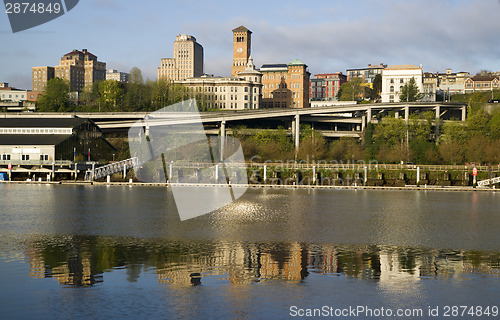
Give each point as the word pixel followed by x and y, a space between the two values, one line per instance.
pixel 327 35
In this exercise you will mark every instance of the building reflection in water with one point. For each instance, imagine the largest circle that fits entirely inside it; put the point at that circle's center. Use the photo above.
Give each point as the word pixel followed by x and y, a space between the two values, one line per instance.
pixel 82 260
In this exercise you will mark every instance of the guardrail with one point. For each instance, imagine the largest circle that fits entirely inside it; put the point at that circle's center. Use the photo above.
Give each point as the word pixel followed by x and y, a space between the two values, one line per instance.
pixel 484 183
pixel 109 169
pixel 357 166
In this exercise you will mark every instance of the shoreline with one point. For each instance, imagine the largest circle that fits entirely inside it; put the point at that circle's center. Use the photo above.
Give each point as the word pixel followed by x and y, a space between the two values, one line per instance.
pixel 261 186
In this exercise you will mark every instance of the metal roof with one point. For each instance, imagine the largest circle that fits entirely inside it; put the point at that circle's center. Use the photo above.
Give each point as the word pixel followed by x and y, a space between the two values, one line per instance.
pixel 279 65
pixel 32 139
pixel 40 122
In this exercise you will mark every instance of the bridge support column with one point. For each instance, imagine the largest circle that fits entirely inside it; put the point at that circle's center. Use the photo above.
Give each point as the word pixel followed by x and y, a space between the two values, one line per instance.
pixel 170 173
pixel 265 174
pixel 464 113
pixel 369 114
pixel 396 114
pixel 222 138
pixel 297 132
pixel 53 170
pixel 314 175
pixel 124 170
pixel 365 176
pixel 438 112
pixel 363 123
pixel 418 175
pixel 438 116
pixel 407 113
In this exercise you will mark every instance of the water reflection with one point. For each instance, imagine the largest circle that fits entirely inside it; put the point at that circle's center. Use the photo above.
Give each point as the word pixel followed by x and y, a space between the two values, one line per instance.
pixel 84 260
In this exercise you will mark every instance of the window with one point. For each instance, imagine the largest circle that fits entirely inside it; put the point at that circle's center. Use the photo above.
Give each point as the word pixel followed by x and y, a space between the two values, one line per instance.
pixel 25 157
pixel 5 157
pixel 392 89
pixel 44 157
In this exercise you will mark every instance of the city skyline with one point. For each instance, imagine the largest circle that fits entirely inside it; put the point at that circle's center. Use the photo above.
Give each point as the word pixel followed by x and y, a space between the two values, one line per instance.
pixel 332 36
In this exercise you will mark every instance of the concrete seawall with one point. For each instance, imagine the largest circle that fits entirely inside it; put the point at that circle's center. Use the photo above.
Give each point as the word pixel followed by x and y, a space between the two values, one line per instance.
pixel 257 186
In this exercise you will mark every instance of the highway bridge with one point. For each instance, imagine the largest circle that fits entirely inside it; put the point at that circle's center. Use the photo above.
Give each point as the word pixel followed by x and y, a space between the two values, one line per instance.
pixel 332 121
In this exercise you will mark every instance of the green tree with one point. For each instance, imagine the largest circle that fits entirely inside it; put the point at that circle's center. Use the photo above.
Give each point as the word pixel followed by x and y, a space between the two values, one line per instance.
pixel 56 97
pixel 377 87
pixel 352 90
pixel 135 76
pixel 410 92
pixel 111 94
pixel 494 125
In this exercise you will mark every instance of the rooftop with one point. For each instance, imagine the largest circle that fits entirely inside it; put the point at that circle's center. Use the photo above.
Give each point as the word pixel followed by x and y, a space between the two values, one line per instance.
pixel 241 29
pixel 33 139
pixel 296 62
pixel 40 122
pixel 402 67
pixel 269 66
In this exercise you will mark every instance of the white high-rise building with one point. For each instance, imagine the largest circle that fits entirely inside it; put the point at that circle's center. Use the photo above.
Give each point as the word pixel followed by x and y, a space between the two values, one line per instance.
pixel 187 61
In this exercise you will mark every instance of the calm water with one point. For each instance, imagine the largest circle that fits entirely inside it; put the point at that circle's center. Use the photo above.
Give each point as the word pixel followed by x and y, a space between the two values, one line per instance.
pixel 120 252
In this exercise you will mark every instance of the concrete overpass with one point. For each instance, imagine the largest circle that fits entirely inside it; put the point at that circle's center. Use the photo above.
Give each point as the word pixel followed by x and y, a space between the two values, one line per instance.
pixel 346 120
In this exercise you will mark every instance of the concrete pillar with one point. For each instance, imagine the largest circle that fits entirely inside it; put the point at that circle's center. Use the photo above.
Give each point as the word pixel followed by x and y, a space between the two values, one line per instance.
pixel 336 127
pixel 369 114
pixel 314 174
pixel 170 172
pixel 297 131
pixel 93 171
pixel 363 123
pixel 464 113
pixel 265 173
pixel 222 138
pixel 54 170
pixel 76 170
pixel 108 179
pixel 396 114
pixel 124 171
pixel 418 175
pixel 216 173
pixel 438 115
pixel 365 177
pixel 407 113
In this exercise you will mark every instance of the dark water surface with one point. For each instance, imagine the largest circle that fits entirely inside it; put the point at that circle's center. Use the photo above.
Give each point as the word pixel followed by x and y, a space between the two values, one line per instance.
pixel 121 252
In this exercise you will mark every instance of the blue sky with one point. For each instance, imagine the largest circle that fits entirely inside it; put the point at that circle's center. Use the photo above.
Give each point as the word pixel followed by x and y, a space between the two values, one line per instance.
pixel 327 35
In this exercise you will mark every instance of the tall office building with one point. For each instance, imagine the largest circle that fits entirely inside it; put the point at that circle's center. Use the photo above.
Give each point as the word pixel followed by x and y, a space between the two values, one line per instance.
pixel 80 68
pixel 187 61
pixel 242 41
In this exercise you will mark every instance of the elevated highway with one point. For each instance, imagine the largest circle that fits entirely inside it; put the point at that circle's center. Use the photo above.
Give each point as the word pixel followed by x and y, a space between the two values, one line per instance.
pixel 344 120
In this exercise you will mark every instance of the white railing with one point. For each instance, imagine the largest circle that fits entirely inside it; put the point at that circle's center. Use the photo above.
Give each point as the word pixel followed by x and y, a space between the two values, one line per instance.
pixel 484 183
pixel 111 168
